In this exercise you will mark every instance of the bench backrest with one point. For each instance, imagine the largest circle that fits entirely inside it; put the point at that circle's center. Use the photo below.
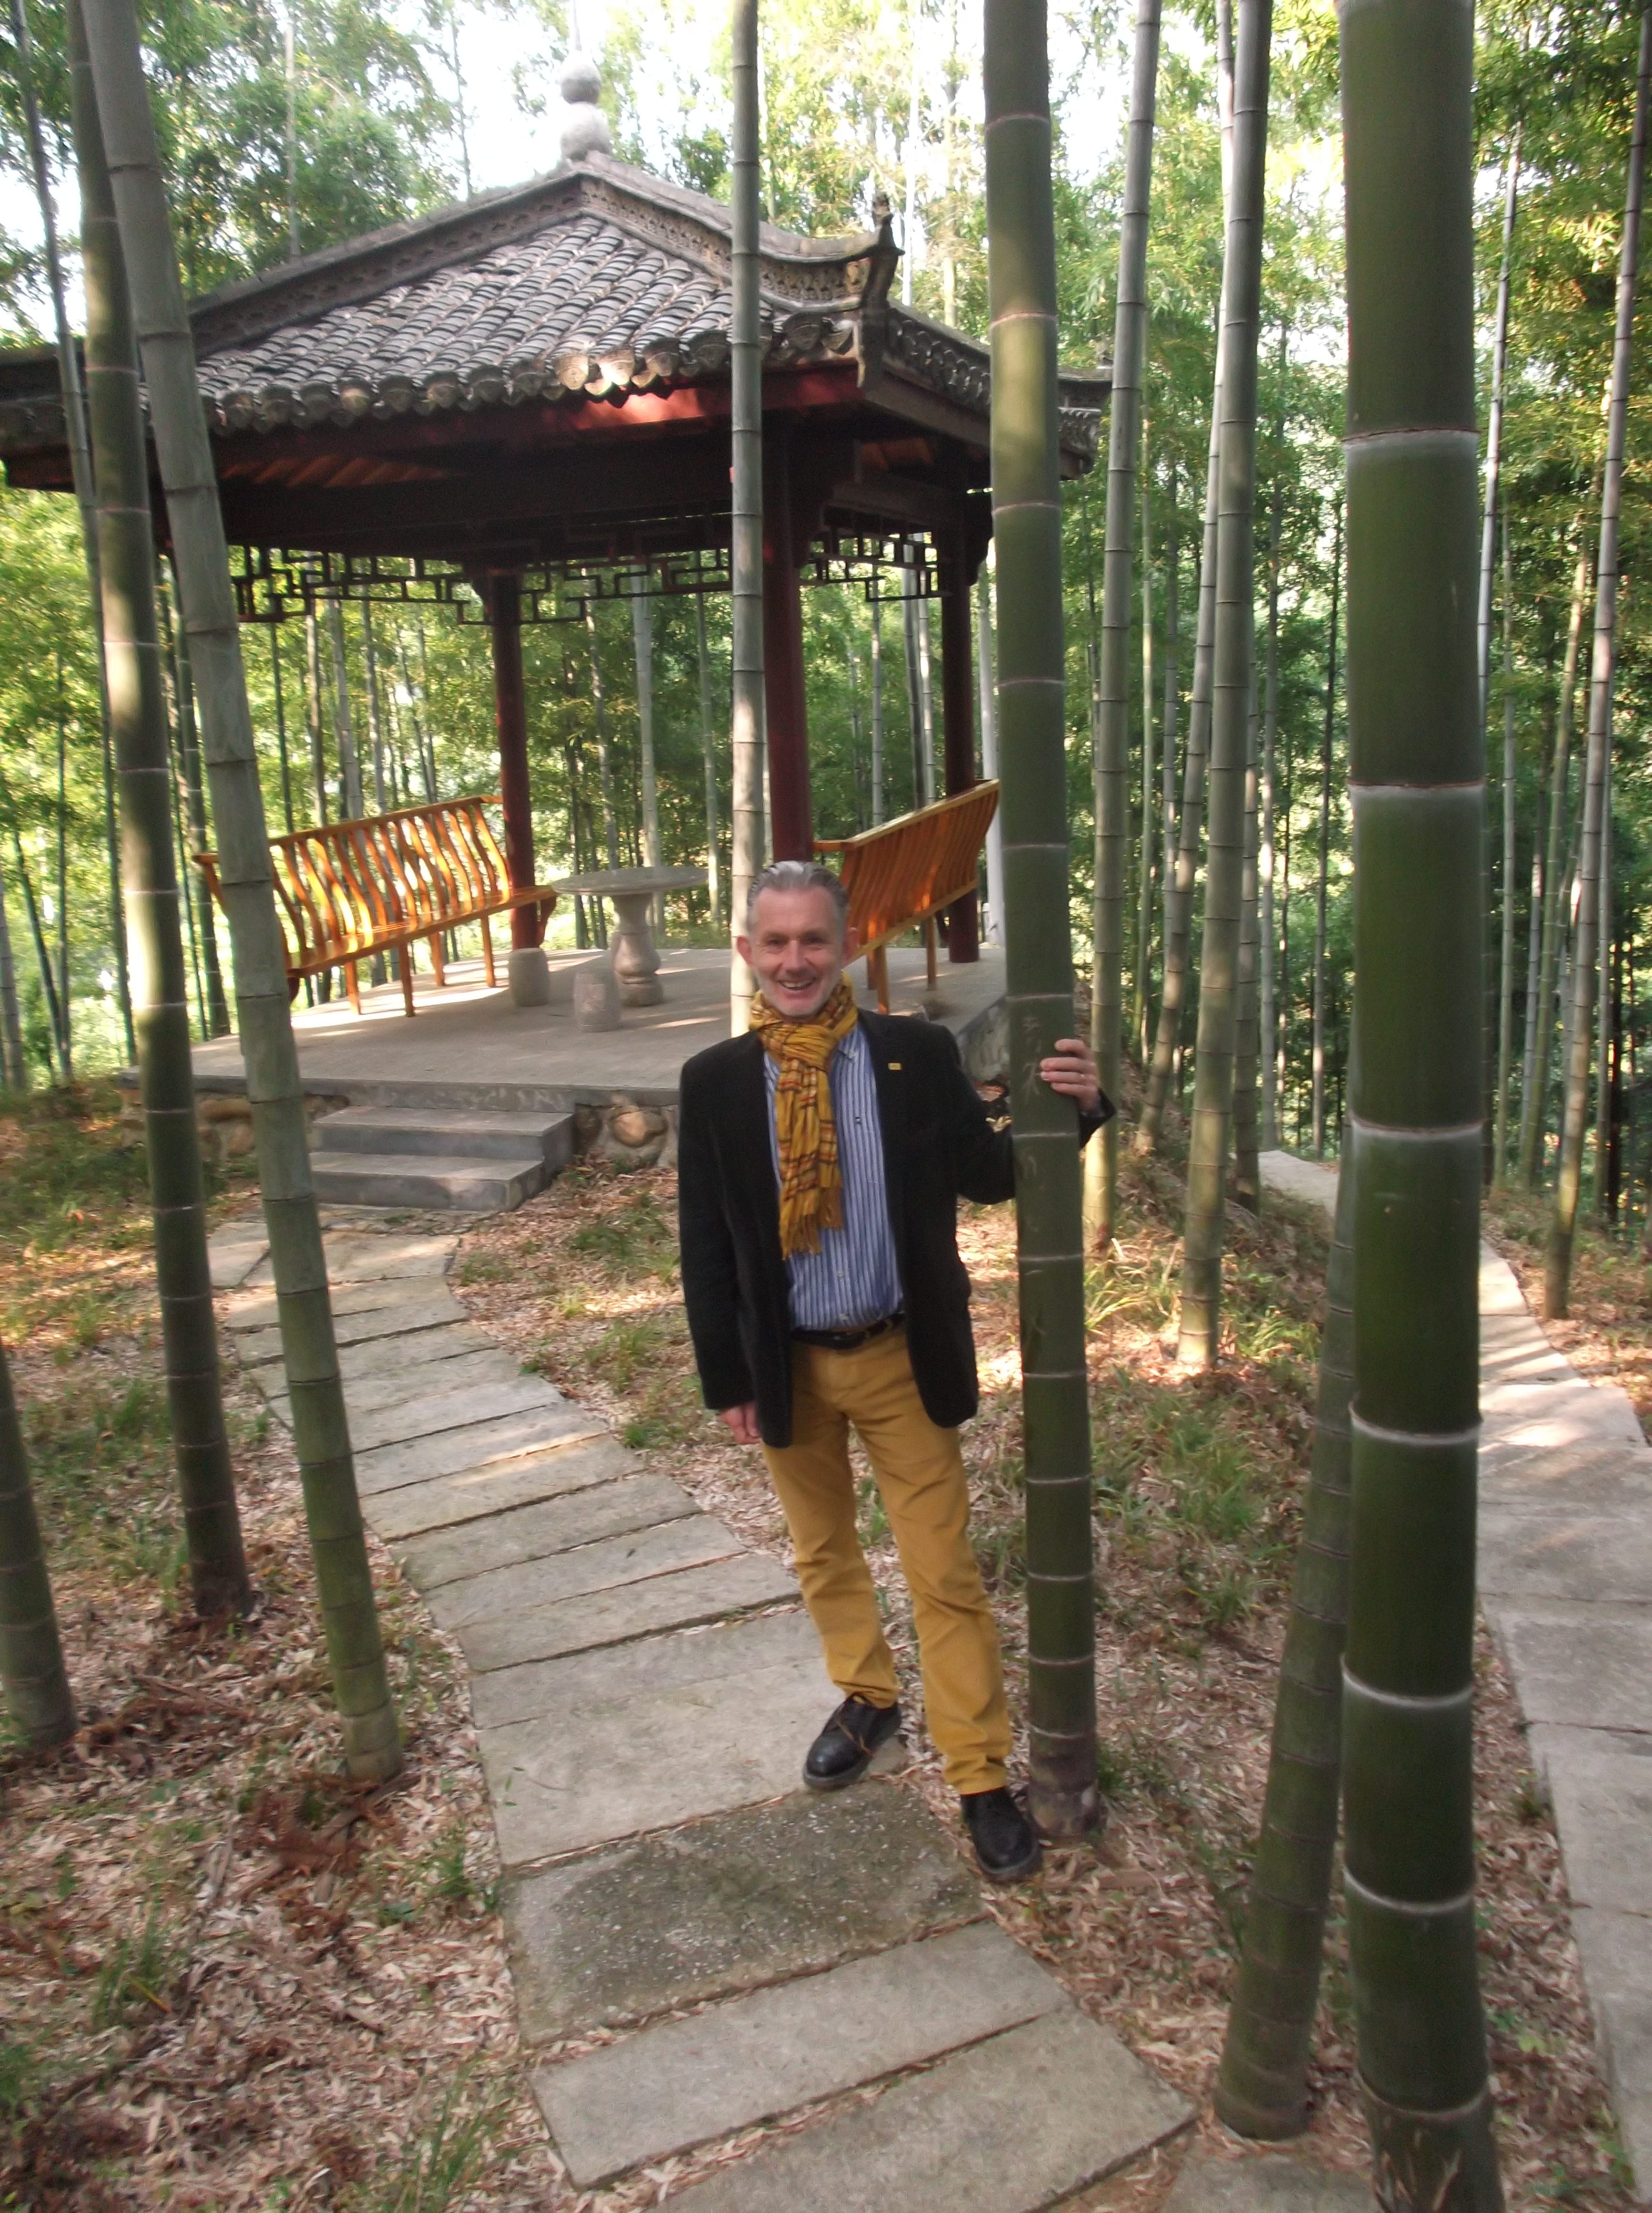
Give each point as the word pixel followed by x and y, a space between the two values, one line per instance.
pixel 901 874
pixel 346 888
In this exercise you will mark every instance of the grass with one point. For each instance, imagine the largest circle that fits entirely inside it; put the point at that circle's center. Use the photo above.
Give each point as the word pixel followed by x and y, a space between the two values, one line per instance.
pixel 138 1974
pixel 435 2166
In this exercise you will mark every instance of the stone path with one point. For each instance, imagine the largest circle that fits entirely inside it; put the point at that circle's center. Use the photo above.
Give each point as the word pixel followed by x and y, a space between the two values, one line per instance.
pixel 643 1688
pixel 1565 1576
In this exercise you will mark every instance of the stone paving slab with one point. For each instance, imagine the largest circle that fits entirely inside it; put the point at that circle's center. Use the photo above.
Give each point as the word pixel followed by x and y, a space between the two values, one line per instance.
pixel 257 1309
pixel 689 1541
pixel 710 1720
pixel 448 1502
pixel 233 1259
pixel 552 1525
pixel 1593 1558
pixel 1271 2185
pixel 388 1467
pixel 434 1306
pixel 677 1600
pixel 1556 1415
pixel 389 1385
pixel 703 1912
pixel 375 1256
pixel 686 2081
pixel 1603 1810
pixel 1617 1955
pixel 427 1413
pixel 1011 2125
pixel 1584 1479
pixel 1579 1666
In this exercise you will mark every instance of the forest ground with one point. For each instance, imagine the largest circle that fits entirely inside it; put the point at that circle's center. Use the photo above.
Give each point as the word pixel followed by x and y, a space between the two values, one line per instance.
pixel 227 1980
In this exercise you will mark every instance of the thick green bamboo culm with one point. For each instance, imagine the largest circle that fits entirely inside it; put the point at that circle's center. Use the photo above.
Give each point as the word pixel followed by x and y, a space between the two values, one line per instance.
pixel 1262 2090
pixel 1563 1224
pixel 745 554
pixel 321 1431
pixel 1247 1183
pixel 32 1674
pixel 200 1438
pixel 1038 954
pixel 1112 763
pixel 1417 785
pixel 1199 1334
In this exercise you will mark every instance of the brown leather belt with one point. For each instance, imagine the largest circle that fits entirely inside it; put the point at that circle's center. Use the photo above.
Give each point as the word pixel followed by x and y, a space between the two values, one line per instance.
pixel 849 1340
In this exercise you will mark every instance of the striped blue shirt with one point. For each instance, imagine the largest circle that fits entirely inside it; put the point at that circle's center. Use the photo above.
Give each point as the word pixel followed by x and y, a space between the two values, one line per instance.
pixel 854 1278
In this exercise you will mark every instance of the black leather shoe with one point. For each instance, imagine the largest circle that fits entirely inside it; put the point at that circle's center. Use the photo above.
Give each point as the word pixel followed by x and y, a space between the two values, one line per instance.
pixel 1005 1843
pixel 842 1752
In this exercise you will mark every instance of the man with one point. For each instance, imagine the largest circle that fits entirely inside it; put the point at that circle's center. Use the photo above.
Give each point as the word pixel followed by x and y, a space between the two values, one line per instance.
pixel 821 1159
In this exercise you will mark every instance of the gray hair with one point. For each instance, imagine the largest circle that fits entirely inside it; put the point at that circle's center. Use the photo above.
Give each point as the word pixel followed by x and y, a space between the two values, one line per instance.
pixel 797 876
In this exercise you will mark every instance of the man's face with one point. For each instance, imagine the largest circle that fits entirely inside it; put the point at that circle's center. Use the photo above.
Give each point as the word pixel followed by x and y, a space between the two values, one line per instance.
pixel 795 951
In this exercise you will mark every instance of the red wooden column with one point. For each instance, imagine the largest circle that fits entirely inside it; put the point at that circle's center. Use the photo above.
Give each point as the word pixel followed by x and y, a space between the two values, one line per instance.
pixel 510 716
pixel 791 812
pixel 957 716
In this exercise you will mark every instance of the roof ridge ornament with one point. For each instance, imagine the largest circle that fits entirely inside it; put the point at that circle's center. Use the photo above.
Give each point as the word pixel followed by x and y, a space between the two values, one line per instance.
pixel 584 126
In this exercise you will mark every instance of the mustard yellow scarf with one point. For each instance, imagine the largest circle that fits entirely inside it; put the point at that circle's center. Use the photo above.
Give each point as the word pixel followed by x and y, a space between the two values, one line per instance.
pixel 811 1182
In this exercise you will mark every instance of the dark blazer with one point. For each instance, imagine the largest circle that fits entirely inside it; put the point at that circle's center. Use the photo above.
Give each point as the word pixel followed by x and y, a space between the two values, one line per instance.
pixel 938 1147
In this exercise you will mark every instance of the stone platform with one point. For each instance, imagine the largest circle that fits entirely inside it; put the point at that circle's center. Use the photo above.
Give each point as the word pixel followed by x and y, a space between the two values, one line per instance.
pixel 468 1047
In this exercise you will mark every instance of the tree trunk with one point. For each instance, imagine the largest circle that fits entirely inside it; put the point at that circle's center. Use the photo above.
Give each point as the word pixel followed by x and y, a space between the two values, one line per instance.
pixel 1506 951
pixel 313 707
pixel 1267 1020
pixel 1038 966
pixel 1416 784
pixel 1248 1169
pixel 746 403
pixel 1325 847
pixel 1494 425
pixel 989 701
pixel 1557 1281
pixel 382 793
pixel 32 1674
pixel 1111 726
pixel 320 1430
pixel 1263 2088
pixel 1178 886
pixel 42 958
pixel 1533 1119
pixel 1138 1017
pixel 281 729
pixel 1602 1001
pixel 713 833
pixel 1171 683
pixel 80 468
pixel 604 763
pixel 200 1443
pixel 65 1002
pixel 1199 1335
pixel 1535 902
pixel 642 627
pixel 349 764
pixel 14 1067
pixel 877 713
pixel 200 836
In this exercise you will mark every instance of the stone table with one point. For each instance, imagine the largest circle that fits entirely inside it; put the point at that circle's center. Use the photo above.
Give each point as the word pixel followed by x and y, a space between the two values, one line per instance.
pixel 633 891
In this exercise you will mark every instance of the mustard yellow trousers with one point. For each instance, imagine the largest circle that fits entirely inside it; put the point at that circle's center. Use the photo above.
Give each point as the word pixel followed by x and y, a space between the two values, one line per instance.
pixel 920 1475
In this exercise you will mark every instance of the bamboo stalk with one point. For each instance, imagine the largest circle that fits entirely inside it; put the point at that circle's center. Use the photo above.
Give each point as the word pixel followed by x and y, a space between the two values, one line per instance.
pixel 1262 2090
pixel 320 1430
pixel 1246 1167
pixel 14 1066
pixel 713 834
pixel 1267 1013
pixel 32 1672
pixel 200 1443
pixel 1324 856
pixel 80 470
pixel 1417 785
pixel 1179 885
pixel 1506 948
pixel 1112 733
pixel 1037 965
pixel 745 404
pixel 1556 1279
pixel 1199 1334
pixel 351 797
pixel 200 835
pixel 989 702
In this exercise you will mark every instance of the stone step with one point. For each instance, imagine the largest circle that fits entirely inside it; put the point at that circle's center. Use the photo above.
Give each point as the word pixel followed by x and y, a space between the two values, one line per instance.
pixel 469 1183
pixel 447 1132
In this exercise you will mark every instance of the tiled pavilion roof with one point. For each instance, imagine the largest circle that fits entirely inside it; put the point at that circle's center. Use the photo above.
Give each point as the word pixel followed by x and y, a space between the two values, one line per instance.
pixel 596 280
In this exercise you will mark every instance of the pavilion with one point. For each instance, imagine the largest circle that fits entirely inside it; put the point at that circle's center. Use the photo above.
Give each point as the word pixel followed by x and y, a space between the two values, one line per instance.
pixel 525 396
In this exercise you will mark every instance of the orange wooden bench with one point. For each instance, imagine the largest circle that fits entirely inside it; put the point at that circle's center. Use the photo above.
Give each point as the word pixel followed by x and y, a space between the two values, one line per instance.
pixel 902 874
pixel 349 890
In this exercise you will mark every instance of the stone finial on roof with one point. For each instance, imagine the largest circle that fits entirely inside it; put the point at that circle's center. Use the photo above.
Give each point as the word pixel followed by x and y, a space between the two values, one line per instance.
pixel 584 126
